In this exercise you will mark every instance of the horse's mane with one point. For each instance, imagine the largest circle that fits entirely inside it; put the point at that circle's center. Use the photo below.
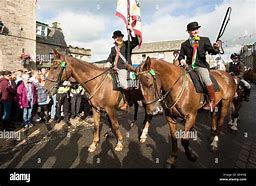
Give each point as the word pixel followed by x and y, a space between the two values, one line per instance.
pixel 155 61
pixel 82 63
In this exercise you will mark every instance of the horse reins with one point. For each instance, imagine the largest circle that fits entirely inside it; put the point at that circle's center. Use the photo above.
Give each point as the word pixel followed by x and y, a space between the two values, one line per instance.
pixel 58 81
pixel 160 97
pixel 180 93
pixel 155 86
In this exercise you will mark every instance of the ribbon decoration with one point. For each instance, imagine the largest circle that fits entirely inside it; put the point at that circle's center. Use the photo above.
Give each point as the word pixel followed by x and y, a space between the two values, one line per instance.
pixel 195 45
pixel 152 72
pixel 63 64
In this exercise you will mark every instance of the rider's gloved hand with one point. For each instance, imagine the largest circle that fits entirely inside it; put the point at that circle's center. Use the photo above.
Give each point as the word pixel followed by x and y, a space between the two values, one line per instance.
pixel 115 69
pixel 217 44
pixel 183 63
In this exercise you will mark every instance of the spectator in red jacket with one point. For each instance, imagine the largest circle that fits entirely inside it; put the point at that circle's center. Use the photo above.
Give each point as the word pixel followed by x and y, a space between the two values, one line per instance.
pixel 6 96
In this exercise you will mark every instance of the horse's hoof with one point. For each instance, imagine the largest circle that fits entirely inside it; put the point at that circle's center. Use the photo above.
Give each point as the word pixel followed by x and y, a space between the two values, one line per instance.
pixel 143 140
pixel 171 162
pixel 191 156
pixel 92 148
pixel 119 147
pixel 169 166
pixel 233 128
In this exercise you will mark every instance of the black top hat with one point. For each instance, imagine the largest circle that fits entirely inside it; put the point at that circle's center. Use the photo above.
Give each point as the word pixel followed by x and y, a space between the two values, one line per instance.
pixel 234 55
pixel 117 33
pixel 192 26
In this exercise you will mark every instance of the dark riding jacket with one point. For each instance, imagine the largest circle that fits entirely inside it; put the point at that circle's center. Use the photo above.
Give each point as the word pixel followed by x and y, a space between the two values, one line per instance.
pixel 124 51
pixel 236 68
pixel 204 46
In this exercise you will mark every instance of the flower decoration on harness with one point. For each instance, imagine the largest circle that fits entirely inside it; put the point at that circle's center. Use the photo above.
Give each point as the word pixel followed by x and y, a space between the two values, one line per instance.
pixel 63 64
pixel 152 72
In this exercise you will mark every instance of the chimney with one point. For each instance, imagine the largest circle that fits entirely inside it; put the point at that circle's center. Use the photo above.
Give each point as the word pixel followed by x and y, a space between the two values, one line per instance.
pixel 56 25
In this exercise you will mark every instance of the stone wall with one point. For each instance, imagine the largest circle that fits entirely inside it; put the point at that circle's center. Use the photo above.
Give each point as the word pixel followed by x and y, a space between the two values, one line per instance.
pixel 19 17
pixel 167 56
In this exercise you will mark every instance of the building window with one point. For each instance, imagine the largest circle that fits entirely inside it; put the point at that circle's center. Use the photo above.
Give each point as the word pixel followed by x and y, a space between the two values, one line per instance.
pixel 41 30
pixel 1 27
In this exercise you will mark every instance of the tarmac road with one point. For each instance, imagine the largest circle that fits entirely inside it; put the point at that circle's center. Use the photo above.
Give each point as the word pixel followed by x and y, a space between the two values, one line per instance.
pixel 69 150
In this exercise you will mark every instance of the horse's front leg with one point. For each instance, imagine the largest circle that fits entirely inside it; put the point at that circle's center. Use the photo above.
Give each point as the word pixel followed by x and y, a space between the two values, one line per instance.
pixel 190 122
pixel 223 113
pixel 115 125
pixel 146 123
pixel 171 161
pixel 96 133
pixel 234 115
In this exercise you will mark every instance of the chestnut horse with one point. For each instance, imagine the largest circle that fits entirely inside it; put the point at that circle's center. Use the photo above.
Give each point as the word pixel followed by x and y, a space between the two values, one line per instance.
pixel 172 85
pixel 97 82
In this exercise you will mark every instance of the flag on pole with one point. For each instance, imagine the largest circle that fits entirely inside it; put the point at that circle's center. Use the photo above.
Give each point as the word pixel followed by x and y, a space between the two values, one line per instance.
pixel 135 17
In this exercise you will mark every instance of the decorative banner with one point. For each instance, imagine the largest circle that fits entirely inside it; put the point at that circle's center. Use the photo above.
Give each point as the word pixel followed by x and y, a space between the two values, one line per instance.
pixel 134 14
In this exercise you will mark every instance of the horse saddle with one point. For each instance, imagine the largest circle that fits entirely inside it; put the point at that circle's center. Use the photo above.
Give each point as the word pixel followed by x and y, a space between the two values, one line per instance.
pixel 132 81
pixel 198 83
pixel 114 79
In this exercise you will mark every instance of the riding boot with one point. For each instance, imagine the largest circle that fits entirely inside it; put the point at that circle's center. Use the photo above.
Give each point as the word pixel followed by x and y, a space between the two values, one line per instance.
pixel 211 93
pixel 125 105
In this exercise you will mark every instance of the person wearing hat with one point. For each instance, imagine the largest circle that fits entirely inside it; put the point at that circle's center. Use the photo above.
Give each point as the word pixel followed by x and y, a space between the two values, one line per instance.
pixel 236 67
pixel 193 52
pixel 117 59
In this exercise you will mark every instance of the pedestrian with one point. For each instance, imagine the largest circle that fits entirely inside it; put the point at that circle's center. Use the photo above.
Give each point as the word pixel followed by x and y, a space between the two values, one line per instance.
pixel 26 93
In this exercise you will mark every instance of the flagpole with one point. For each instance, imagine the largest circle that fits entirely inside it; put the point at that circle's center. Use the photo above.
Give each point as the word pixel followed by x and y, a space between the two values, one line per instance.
pixel 128 33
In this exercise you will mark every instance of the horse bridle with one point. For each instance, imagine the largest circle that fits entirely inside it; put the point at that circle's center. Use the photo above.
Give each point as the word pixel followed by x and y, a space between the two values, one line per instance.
pixel 58 80
pixel 63 67
pixel 159 96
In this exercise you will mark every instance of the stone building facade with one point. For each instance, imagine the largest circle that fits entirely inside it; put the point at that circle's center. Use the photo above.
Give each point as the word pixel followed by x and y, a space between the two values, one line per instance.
pixel 248 55
pixel 18 32
pixel 48 38
pixel 80 53
pixel 166 50
pixel 52 37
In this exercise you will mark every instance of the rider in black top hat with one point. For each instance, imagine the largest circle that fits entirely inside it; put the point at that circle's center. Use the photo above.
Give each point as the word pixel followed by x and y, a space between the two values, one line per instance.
pixel 117 59
pixel 193 51
pixel 123 48
pixel 237 68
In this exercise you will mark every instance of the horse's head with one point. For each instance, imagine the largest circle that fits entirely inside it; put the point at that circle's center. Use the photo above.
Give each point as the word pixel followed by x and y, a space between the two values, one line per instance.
pixel 150 86
pixel 59 72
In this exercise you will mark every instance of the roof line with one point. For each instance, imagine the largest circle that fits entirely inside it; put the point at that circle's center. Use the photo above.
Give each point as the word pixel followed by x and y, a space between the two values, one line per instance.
pixel 155 51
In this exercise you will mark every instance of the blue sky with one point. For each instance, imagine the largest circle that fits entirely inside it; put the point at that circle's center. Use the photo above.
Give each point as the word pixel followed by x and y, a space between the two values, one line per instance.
pixel 90 23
